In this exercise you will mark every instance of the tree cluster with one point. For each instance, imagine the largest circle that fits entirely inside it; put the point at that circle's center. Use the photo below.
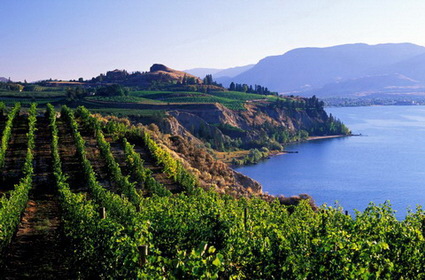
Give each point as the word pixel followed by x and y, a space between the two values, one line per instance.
pixel 293 103
pixel 188 80
pixel 250 89
pixel 75 93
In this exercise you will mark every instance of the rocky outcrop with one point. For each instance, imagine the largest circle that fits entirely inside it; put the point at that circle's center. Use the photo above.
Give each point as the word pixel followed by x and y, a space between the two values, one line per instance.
pixel 163 73
pixel 208 124
pixel 172 126
pixel 194 123
pixel 248 125
pixel 247 182
pixel 211 173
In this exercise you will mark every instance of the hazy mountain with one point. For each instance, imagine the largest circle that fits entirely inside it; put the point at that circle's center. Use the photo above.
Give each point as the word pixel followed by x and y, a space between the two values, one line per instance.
pixel 306 68
pixel 232 72
pixel 219 74
pixel 366 86
pixel 4 80
pixel 413 68
pixel 202 72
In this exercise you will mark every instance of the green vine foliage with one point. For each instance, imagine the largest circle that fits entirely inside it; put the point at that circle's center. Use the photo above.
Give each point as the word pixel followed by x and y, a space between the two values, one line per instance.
pixel 143 175
pixel 101 248
pixel 12 206
pixel 7 132
pixel 125 186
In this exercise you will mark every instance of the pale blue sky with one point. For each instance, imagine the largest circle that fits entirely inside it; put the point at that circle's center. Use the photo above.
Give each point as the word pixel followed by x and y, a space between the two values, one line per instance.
pixel 71 39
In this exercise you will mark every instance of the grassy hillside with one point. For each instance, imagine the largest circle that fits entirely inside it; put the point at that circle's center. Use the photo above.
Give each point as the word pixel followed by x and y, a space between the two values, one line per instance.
pixel 97 198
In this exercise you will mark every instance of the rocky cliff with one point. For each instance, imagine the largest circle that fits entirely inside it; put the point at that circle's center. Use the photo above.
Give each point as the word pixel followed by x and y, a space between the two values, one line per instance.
pixel 192 129
pixel 259 125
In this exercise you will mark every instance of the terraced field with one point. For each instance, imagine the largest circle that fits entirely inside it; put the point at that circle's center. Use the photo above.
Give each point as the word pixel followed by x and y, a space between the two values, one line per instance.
pixel 232 99
pixel 38 249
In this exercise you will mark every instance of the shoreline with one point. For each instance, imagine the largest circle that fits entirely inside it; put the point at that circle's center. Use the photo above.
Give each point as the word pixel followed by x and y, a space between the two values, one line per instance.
pixel 312 138
pixel 279 153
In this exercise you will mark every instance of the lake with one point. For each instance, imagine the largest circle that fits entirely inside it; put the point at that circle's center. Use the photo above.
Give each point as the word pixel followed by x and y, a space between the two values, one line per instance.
pixel 386 163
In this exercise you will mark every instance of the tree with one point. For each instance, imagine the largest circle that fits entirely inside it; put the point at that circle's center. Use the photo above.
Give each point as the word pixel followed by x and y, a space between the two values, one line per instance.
pixel 208 80
pixel 76 93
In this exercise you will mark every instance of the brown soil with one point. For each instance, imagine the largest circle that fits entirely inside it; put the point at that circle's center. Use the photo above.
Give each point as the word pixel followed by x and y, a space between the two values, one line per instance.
pixel 97 161
pixel 70 163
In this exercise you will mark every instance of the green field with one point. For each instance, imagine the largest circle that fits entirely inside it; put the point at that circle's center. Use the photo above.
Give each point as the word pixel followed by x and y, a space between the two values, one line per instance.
pixel 129 112
pixel 231 99
pixel 31 94
pixel 123 99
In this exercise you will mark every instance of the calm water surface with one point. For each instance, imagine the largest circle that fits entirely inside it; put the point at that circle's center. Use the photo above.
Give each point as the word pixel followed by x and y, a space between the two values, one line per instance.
pixel 386 163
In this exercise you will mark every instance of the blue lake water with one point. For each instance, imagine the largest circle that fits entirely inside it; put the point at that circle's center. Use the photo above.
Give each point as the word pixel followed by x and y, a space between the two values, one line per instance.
pixel 386 163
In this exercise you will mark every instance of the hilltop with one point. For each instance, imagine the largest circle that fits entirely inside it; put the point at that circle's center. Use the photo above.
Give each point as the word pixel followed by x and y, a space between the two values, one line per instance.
pixel 159 76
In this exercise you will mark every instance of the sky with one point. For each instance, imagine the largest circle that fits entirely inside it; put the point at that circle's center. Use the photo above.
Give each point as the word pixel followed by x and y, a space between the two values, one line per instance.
pixel 70 39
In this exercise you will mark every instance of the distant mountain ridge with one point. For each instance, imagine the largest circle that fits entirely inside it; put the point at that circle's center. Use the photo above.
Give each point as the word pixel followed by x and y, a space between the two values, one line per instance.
pixel 4 80
pixel 202 72
pixel 219 73
pixel 351 69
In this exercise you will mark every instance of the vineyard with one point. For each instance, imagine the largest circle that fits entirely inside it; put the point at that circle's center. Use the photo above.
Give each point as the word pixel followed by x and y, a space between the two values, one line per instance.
pixel 231 99
pixel 83 198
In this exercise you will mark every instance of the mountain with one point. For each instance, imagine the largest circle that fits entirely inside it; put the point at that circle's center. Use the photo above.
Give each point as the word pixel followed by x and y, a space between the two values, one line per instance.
pixel 308 68
pixel 202 72
pixel 413 67
pixel 219 73
pixel 232 72
pixel 4 80
pixel 366 86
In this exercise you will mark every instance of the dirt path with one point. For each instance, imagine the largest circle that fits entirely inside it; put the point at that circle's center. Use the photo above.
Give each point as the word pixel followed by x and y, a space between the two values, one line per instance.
pixel 3 120
pixel 71 165
pixel 97 161
pixel 37 249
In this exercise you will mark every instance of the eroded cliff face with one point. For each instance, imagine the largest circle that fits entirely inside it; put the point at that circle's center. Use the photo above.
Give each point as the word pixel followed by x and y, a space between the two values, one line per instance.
pixel 192 122
pixel 211 173
pixel 259 120
pixel 189 127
